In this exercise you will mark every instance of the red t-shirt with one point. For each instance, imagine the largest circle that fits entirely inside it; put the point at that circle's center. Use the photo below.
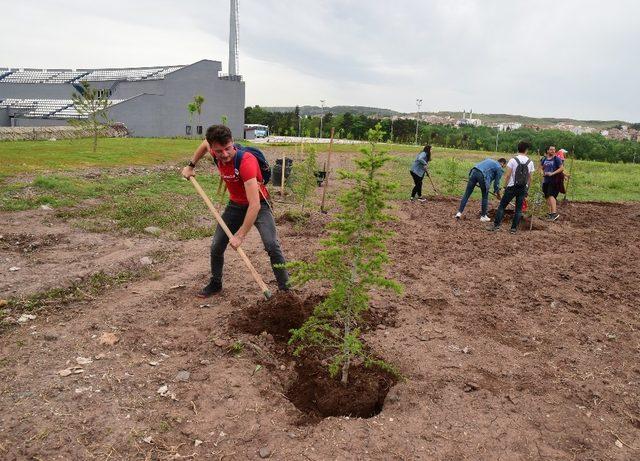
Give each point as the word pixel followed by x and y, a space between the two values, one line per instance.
pixel 249 168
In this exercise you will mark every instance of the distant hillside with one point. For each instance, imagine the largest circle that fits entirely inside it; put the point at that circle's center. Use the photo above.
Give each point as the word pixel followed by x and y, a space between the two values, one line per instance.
pixel 491 119
pixel 487 119
pixel 337 110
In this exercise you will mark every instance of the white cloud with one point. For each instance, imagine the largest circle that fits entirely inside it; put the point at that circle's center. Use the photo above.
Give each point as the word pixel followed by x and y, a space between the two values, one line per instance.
pixel 554 58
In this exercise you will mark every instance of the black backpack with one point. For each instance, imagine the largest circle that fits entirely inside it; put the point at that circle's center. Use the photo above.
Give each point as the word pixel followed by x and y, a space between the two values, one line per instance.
pixel 521 177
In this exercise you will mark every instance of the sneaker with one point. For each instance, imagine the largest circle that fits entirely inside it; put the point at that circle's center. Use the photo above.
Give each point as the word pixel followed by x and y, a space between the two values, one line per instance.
pixel 512 230
pixel 458 215
pixel 211 289
pixel 422 199
pixel 411 199
pixel 493 228
pixel 485 218
pixel 553 216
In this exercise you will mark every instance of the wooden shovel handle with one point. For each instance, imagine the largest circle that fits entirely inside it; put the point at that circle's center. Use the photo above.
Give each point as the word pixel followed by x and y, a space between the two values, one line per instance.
pixel 225 228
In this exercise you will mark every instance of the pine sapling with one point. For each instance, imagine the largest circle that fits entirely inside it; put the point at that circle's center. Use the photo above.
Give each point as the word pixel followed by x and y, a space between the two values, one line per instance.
pixel 352 263
pixel 451 175
pixel 303 179
pixel 536 204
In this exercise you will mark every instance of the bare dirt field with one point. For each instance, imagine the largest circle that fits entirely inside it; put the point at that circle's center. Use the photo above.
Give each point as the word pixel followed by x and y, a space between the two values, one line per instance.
pixel 513 347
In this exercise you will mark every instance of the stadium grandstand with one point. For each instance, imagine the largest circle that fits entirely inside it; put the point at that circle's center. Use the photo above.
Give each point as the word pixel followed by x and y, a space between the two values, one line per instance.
pixel 149 101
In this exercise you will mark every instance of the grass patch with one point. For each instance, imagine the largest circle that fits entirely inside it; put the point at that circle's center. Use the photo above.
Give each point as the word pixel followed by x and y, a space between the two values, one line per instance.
pixel 127 201
pixel 132 203
pixel 87 288
pixel 69 154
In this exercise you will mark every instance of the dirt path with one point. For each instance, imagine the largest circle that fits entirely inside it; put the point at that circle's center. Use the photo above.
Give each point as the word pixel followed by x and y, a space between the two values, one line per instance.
pixel 517 347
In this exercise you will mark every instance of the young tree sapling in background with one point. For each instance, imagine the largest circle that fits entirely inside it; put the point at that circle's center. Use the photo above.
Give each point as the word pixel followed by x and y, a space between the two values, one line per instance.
pixel 303 177
pixel 93 105
pixel 536 203
pixel 198 101
pixel 191 110
pixel 352 263
pixel 451 175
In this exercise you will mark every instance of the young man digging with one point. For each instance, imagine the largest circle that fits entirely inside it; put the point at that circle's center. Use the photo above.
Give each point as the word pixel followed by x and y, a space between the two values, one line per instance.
pixel 483 174
pixel 517 180
pixel 247 205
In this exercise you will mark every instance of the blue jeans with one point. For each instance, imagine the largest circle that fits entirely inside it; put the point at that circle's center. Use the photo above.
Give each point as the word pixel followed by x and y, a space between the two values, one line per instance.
pixel 519 192
pixel 475 177
pixel 233 217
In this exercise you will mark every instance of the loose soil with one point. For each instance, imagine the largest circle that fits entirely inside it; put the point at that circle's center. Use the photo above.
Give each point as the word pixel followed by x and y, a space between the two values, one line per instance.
pixel 319 395
pixel 515 347
pixel 277 316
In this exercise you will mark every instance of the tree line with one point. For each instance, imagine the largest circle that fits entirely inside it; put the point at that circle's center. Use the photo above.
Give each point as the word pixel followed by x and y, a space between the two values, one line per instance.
pixel 588 146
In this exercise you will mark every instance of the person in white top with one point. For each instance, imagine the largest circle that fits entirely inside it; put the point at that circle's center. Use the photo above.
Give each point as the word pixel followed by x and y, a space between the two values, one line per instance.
pixel 517 180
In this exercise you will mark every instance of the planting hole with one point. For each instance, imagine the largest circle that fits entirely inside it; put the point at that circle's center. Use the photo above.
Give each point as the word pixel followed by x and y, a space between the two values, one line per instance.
pixel 318 395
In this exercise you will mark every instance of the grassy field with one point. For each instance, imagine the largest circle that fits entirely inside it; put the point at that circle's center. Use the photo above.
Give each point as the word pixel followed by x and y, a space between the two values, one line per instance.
pixel 134 183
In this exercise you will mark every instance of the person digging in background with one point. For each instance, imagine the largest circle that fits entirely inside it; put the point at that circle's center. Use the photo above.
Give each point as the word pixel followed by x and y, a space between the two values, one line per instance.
pixel 561 154
pixel 517 180
pixel 247 205
pixel 418 169
pixel 483 174
pixel 553 183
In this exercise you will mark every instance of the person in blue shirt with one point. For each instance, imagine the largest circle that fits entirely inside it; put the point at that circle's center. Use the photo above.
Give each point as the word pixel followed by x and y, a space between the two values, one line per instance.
pixel 552 167
pixel 418 169
pixel 483 174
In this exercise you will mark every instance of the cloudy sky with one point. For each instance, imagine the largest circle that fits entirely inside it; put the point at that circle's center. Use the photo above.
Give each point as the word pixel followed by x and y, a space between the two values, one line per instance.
pixel 565 58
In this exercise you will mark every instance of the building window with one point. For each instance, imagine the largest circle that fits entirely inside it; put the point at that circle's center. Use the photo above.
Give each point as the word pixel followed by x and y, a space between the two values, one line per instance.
pixel 188 130
pixel 199 129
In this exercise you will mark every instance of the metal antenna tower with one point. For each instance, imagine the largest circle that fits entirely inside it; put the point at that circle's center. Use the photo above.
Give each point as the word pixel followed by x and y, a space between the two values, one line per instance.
pixel 234 28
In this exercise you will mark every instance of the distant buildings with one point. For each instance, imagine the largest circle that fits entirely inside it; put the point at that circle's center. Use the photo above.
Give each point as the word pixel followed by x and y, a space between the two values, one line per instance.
pixel 149 101
pixel 508 126
pixel 624 133
pixel 468 121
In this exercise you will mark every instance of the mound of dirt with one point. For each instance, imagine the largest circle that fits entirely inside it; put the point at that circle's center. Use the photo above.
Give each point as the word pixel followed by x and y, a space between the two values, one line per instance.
pixel 277 316
pixel 318 395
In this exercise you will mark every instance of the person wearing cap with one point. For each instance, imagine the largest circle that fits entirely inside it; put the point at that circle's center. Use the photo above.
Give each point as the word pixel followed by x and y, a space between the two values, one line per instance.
pixel 561 154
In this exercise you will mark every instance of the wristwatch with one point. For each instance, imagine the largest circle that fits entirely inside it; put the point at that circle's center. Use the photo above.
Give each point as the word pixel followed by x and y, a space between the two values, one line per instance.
pixel 191 164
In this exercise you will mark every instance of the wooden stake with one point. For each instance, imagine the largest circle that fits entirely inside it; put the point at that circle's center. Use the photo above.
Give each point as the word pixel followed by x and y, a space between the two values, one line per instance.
pixel 216 215
pixel 326 177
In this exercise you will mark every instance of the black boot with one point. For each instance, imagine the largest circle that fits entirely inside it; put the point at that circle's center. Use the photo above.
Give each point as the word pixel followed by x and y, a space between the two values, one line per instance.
pixel 211 289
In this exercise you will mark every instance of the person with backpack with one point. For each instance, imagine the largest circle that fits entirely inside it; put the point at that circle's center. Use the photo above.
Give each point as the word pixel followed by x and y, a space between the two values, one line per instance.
pixel 552 168
pixel 483 174
pixel 244 171
pixel 418 169
pixel 517 180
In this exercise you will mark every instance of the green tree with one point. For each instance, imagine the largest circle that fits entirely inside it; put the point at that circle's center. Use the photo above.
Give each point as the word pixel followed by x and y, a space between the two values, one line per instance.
pixel 198 100
pixel 536 203
pixel 93 106
pixel 191 110
pixel 451 177
pixel 352 263
pixel 303 178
